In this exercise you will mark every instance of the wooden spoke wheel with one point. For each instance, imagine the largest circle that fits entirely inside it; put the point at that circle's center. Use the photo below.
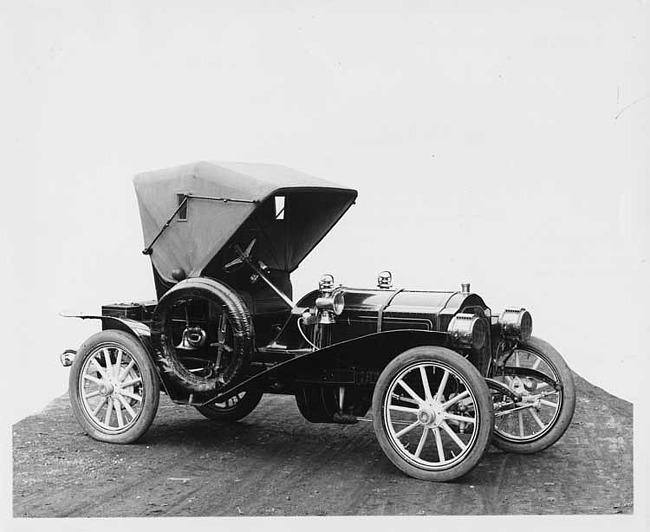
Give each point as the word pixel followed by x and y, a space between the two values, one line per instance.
pixel 114 388
pixel 537 374
pixel 234 408
pixel 432 413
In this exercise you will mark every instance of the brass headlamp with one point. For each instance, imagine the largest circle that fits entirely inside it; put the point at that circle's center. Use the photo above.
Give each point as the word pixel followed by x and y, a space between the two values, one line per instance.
pixel 468 330
pixel 516 323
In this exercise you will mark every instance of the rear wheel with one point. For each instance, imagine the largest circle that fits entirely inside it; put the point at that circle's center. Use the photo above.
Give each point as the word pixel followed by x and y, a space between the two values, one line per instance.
pixel 540 377
pixel 317 404
pixel 114 387
pixel 234 408
pixel 432 413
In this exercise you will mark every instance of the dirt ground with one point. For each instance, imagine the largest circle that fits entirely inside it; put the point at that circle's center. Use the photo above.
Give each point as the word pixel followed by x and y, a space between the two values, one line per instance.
pixel 275 463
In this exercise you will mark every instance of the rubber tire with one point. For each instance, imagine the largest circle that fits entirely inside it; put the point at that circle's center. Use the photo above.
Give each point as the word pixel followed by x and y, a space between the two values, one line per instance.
pixel 316 404
pixel 562 422
pixel 242 408
pixel 484 412
pixel 151 383
pixel 238 316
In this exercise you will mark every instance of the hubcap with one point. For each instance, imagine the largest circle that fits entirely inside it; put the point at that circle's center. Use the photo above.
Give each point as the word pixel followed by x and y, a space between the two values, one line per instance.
pixel 106 389
pixel 431 414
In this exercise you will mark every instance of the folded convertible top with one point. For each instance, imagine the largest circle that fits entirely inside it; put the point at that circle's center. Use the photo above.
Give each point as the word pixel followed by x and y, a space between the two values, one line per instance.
pixel 210 206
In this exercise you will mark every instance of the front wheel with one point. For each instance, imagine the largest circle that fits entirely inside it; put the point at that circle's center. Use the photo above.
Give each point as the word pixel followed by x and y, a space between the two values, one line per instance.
pixel 114 387
pixel 234 408
pixel 432 413
pixel 543 383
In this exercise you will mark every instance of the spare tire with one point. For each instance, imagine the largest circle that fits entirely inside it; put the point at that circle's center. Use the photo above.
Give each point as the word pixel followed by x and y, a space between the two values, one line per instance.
pixel 202 335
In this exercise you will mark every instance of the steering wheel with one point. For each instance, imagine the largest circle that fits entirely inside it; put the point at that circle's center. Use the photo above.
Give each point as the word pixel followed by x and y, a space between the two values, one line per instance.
pixel 242 257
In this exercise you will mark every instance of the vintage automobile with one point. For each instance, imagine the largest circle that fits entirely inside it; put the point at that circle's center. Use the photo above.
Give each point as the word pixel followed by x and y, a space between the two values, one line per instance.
pixel 441 375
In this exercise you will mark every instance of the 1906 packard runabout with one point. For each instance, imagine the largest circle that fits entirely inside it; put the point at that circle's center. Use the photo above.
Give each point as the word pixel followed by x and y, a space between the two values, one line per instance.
pixel 441 375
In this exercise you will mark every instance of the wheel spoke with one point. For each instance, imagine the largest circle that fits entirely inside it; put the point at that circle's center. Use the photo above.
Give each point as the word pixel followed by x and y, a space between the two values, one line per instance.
pixel 443 383
pixel 127 406
pixel 423 440
pixel 109 411
pixel 99 406
pixel 107 361
pixel 455 399
pixel 549 403
pixel 517 359
pixel 407 429
pixel 93 379
pixel 131 396
pixel 100 369
pixel 441 451
pixel 461 419
pixel 410 391
pixel 408 409
pixel 453 436
pixel 118 413
pixel 425 383
pixel 126 370
pixel 92 394
pixel 118 363
pixel 536 418
pixel 403 398
pixel 520 417
pixel 132 382
pixel 537 362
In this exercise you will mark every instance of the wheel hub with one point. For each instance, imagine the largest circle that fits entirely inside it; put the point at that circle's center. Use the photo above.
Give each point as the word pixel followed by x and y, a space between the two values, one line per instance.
pixel 518 386
pixel 430 414
pixel 529 384
pixel 106 389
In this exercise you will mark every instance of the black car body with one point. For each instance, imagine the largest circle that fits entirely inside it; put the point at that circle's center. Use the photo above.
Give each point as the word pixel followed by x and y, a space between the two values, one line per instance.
pixel 441 374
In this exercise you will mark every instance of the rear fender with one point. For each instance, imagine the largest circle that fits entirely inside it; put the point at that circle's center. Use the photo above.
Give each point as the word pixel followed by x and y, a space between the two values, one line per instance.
pixel 136 328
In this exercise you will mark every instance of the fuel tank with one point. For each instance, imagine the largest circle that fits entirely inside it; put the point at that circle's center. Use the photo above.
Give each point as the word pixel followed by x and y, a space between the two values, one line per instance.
pixel 369 311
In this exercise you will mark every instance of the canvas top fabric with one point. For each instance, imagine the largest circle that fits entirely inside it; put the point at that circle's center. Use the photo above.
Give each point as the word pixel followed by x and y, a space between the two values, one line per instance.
pixel 233 203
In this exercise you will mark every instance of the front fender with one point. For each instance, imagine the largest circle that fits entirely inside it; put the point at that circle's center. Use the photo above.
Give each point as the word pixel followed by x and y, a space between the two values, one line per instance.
pixel 373 350
pixel 370 352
